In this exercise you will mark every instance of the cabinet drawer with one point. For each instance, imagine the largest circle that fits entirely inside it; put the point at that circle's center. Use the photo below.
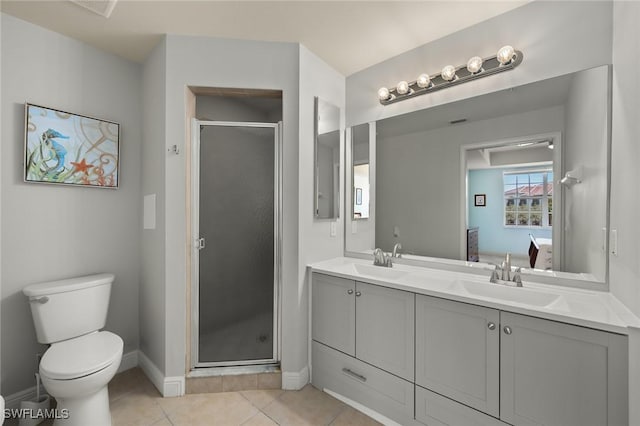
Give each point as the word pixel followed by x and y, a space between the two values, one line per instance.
pixel 436 410
pixel 385 393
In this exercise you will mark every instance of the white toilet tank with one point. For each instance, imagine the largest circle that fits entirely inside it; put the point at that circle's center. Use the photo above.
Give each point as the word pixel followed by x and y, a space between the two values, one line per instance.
pixel 69 308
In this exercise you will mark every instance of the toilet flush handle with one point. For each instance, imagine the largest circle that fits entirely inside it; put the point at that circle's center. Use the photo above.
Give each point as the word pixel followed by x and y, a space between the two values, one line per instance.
pixel 43 299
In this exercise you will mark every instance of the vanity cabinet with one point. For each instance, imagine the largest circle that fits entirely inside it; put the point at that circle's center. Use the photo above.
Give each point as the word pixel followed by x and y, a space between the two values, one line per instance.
pixel 520 369
pixel 559 374
pixel 473 365
pixel 363 343
pixel 333 312
pixel 457 352
pixel 373 323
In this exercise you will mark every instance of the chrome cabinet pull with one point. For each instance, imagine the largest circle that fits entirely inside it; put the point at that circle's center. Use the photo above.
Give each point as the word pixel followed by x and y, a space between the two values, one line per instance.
pixel 491 326
pixel 358 294
pixel 356 375
pixel 507 330
pixel 349 291
pixel 41 300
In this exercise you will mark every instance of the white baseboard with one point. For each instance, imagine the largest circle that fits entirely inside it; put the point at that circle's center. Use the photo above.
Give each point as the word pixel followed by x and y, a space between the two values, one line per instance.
pixel 129 361
pixel 295 380
pixel 167 386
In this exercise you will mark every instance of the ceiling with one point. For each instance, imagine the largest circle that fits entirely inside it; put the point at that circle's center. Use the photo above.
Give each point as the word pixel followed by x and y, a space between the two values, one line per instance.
pixel 348 35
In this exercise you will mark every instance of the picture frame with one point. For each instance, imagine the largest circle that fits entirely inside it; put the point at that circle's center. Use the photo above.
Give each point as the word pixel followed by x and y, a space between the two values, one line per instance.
pixel 358 196
pixel 480 200
pixel 65 148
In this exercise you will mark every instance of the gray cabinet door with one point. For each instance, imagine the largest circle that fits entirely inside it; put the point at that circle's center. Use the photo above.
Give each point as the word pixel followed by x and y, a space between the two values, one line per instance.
pixel 333 315
pixel 559 374
pixel 385 326
pixel 457 352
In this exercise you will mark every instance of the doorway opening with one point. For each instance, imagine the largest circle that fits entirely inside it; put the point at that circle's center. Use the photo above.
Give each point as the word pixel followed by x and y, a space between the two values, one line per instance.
pixel 236 228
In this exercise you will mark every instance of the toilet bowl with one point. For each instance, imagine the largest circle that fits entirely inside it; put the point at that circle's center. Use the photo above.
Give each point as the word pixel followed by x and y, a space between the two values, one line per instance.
pixel 76 373
pixel 81 360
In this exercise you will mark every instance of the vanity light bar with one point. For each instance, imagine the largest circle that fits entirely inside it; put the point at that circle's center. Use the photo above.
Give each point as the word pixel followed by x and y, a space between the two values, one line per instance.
pixel 506 59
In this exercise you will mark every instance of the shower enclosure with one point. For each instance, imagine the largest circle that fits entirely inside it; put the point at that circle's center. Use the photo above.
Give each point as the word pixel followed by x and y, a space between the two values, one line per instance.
pixel 236 235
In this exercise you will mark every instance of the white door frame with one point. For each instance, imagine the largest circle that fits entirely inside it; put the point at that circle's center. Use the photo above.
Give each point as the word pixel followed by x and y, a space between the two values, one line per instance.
pixel 195 237
pixel 558 191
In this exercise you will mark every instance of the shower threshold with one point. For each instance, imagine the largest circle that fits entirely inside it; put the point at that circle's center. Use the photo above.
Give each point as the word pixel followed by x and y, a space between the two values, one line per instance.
pixel 234 370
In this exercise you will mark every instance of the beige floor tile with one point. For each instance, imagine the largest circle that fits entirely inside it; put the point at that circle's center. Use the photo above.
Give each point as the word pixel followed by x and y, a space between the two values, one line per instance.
pixel 204 384
pixel 308 406
pixel 351 417
pixel 226 408
pixel 259 420
pixel 270 381
pixel 262 397
pixel 239 382
pixel 126 382
pixel 137 409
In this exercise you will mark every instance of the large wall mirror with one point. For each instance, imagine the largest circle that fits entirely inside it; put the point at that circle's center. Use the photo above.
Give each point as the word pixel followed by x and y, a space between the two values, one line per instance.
pixel 523 171
pixel 327 160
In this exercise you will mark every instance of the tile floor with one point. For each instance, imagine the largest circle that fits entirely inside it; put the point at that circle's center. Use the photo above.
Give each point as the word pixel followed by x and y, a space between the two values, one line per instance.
pixel 136 402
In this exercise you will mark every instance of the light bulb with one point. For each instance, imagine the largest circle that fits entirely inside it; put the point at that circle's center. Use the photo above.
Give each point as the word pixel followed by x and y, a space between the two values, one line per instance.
pixel 423 81
pixel 402 87
pixel 505 54
pixel 383 94
pixel 448 73
pixel 474 65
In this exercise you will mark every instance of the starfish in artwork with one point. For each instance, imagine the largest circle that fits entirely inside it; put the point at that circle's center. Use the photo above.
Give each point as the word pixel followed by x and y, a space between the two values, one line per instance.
pixel 82 166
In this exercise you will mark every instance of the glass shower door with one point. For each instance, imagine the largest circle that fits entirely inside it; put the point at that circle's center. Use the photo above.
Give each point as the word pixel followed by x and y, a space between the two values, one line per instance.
pixel 237 244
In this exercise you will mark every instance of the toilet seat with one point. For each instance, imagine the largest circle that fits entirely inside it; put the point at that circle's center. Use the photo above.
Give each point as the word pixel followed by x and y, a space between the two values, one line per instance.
pixel 81 356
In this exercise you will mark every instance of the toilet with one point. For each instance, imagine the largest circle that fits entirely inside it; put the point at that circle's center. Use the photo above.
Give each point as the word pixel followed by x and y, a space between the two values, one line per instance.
pixel 75 370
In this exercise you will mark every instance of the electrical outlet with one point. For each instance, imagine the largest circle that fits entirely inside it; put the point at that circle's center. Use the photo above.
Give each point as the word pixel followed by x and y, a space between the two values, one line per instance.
pixel 333 229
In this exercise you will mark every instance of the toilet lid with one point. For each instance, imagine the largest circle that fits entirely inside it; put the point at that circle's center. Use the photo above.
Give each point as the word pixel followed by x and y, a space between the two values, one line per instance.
pixel 81 356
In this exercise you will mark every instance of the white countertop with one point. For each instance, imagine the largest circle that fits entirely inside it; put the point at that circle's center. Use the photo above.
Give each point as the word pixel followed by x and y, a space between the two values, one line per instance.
pixel 588 308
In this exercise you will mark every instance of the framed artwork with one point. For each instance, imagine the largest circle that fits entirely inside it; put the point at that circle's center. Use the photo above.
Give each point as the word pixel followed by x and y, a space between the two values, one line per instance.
pixel 480 200
pixel 358 196
pixel 70 149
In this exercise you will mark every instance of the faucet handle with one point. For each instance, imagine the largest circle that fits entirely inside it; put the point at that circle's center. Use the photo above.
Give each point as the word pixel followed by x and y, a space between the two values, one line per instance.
pixel 517 278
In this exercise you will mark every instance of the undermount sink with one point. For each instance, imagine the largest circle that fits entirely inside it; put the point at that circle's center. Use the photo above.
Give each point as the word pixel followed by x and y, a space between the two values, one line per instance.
pixel 511 294
pixel 379 271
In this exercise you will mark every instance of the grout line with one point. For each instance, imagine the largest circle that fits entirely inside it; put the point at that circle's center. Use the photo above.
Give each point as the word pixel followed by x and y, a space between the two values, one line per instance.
pixel 339 413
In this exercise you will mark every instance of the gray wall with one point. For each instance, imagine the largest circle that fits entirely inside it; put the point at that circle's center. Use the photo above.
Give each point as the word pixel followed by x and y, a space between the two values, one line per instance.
pixel 418 179
pixel 51 232
pixel 152 279
pixel 225 108
pixel 586 144
pixel 209 62
pixel 624 268
pixel 315 242
pixel 556 38
pixel 625 173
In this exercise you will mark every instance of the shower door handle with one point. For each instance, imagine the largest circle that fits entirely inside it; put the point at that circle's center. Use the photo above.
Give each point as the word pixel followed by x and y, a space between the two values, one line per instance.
pixel 200 243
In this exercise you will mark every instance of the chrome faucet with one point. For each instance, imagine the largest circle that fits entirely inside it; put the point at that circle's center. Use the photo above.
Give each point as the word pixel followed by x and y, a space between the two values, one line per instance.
pixel 380 258
pixel 395 253
pixel 498 275
pixel 506 267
